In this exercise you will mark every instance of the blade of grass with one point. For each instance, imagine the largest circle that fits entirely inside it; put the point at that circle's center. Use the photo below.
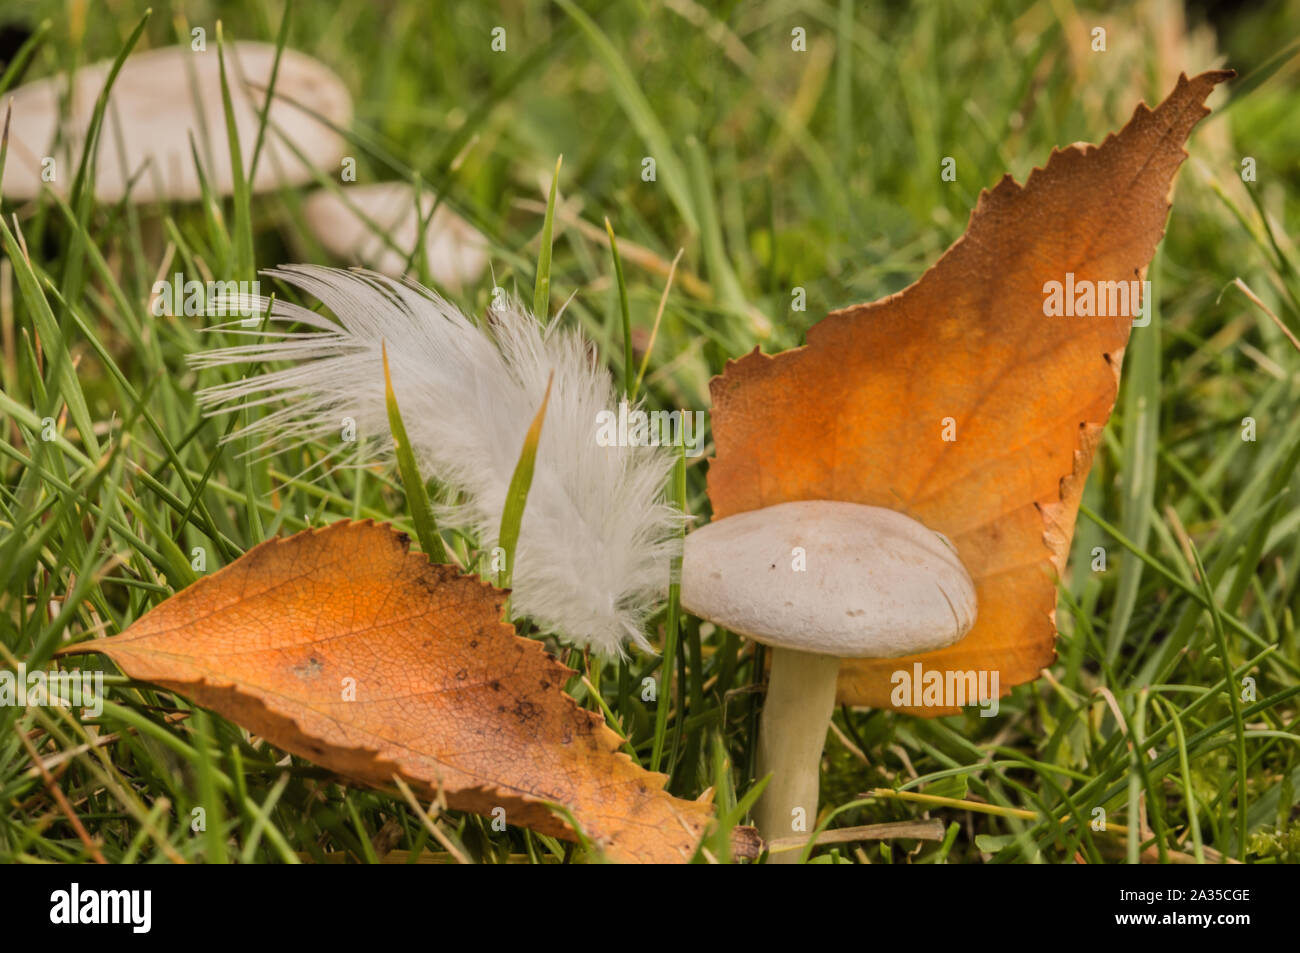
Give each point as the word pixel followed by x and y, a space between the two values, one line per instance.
pixel 214 820
pixel 417 498
pixel 673 623
pixel 281 39
pixel 24 55
pixel 654 331
pixel 512 516
pixel 243 221
pixel 721 274
pixel 642 115
pixel 1234 703
pixel 542 289
pixel 1141 417
pixel 83 183
pixel 629 385
pixel 1189 792
pixel 4 141
pixel 52 339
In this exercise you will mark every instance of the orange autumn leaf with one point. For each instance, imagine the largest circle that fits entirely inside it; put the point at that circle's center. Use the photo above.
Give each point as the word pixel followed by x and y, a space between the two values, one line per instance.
pixel 859 413
pixel 445 694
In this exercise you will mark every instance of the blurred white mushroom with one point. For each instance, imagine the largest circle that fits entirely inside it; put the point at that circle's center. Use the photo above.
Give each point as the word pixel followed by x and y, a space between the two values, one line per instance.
pixel 456 252
pixel 158 98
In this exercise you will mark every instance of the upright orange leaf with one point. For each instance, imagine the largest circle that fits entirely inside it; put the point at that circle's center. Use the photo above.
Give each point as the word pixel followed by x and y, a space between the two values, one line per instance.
pixel 341 646
pixel 860 413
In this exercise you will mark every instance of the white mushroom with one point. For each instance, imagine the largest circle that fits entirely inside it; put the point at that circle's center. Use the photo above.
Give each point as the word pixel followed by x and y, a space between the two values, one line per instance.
pixel 157 100
pixel 455 251
pixel 819 581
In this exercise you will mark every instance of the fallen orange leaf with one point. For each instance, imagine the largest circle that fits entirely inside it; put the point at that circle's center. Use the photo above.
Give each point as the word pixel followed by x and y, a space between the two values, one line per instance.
pixel 859 414
pixel 342 647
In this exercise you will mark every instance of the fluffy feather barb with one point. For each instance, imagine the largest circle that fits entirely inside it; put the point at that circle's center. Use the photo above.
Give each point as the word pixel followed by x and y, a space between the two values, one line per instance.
pixel 596 539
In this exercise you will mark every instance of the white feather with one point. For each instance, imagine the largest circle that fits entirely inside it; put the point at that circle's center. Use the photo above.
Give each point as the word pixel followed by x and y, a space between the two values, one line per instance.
pixel 596 539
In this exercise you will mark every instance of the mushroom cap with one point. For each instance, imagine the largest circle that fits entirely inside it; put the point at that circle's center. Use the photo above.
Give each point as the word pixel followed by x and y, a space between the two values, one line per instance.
pixel 877 584
pixel 153 107
pixel 456 252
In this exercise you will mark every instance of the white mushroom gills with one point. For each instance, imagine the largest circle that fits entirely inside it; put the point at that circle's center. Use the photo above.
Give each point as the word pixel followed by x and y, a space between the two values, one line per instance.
pixel 819 581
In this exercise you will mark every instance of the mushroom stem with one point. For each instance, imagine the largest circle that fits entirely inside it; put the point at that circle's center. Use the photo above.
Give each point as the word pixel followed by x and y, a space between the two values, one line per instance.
pixel 796 715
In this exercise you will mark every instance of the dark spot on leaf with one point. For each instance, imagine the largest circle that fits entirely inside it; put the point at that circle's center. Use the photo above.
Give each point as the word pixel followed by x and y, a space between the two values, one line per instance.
pixel 308 669
pixel 428 582
pixel 524 712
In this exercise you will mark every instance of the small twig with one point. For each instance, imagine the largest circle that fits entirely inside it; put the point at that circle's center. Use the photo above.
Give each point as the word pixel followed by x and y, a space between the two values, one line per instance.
pixel 61 759
pixel 853 749
pixel 427 818
pixel 659 315
pixel 57 793
pixel 912 830
pixel 1245 289
pixel 1151 855
pixel 1184 541
pixel 637 254
pixel 901 753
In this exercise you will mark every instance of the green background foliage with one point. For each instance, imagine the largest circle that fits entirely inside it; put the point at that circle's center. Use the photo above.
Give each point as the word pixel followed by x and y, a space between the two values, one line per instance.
pixel 776 169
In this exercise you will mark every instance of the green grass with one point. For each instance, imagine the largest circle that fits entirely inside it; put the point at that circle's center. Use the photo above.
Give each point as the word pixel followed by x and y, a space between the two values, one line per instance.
pixel 775 170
